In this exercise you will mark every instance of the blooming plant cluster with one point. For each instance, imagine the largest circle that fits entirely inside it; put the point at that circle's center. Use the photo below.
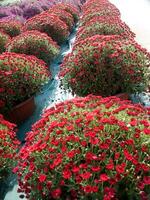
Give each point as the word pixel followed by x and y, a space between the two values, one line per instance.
pixel 21 76
pixel 25 9
pixel 68 8
pixel 34 43
pixel 11 27
pixel 87 148
pixel 57 22
pixel 105 59
pixel 97 8
pixel 49 23
pixel 4 38
pixel 101 5
pixel 65 16
pixel 8 147
pixel 104 26
pixel 103 18
pixel 106 65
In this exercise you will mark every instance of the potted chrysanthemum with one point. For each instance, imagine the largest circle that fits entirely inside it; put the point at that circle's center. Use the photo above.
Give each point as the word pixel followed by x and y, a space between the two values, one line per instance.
pixel 21 76
pixel 68 8
pixel 106 65
pixel 65 16
pixel 48 23
pixel 34 43
pixel 87 148
pixel 104 26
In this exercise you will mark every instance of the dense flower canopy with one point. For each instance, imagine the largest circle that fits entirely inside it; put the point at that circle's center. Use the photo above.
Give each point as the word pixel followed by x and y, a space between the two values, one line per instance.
pixel 68 8
pixel 94 146
pixel 104 26
pixel 34 43
pixel 65 16
pixel 8 147
pixel 21 76
pixel 50 24
pixel 106 65
pixel 88 147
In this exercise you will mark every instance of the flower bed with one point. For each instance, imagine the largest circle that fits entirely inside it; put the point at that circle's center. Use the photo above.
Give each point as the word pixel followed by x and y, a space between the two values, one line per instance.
pixel 87 148
pixel 11 27
pixel 8 147
pixel 50 24
pixel 21 76
pixel 106 65
pixel 4 38
pixel 34 43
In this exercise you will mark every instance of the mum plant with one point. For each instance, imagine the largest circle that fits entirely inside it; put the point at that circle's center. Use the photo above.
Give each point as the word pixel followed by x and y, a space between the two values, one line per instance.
pixel 87 148
pixel 50 24
pixel 8 147
pixel 94 8
pixel 11 27
pixel 104 26
pixel 103 13
pixel 21 76
pixel 68 8
pixel 65 16
pixel 106 65
pixel 90 4
pixel 4 38
pixel 34 43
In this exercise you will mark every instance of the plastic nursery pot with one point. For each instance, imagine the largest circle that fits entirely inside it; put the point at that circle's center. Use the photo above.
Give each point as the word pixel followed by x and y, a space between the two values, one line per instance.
pixel 123 96
pixel 22 111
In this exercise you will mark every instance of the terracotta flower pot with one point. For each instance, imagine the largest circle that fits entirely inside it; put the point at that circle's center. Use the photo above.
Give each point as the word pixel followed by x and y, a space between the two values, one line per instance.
pixel 22 111
pixel 123 96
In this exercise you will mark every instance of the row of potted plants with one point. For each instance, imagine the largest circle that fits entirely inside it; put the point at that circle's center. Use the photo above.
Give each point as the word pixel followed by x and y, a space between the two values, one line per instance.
pixel 17 83
pixel 59 22
pixel 105 59
pixel 55 22
pixel 25 9
pixel 64 12
pixel 21 75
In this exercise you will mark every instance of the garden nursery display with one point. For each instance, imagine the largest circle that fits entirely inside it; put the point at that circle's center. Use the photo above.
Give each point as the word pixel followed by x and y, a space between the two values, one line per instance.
pixel 69 128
